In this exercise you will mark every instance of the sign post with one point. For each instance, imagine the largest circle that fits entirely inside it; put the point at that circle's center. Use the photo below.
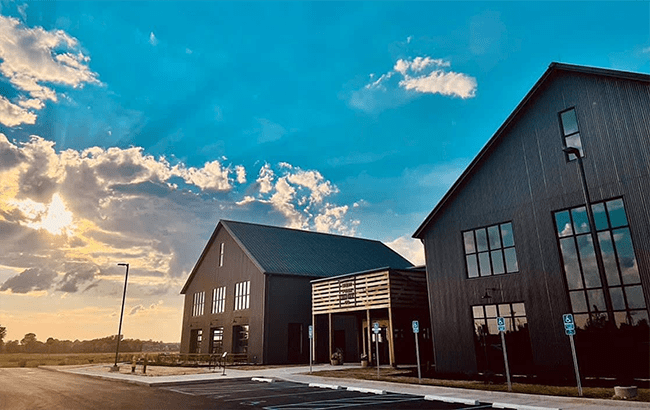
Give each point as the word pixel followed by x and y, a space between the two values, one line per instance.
pixel 311 346
pixel 375 328
pixel 570 330
pixel 501 325
pixel 416 330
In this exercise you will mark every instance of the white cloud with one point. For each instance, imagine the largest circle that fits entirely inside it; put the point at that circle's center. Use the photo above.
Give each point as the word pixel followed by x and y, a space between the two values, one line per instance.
pixel 299 196
pixel 98 206
pixel 440 82
pixel 241 174
pixel 12 115
pixel 152 39
pixel 409 79
pixel 32 57
pixel 409 248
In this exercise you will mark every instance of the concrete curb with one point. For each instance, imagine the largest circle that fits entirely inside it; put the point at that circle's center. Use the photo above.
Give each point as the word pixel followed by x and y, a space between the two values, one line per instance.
pixel 448 399
pixel 366 390
pixel 262 379
pixel 521 407
pixel 324 386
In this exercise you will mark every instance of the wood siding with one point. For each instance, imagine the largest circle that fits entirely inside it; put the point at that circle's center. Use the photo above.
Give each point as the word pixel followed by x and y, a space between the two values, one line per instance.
pixel 374 290
pixel 524 178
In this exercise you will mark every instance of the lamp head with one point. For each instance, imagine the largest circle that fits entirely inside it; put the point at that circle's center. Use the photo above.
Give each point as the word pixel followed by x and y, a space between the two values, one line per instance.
pixel 571 150
pixel 122 264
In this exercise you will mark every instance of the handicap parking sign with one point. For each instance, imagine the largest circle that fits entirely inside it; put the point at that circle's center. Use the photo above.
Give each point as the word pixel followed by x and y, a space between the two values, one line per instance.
pixel 375 327
pixel 501 324
pixel 416 326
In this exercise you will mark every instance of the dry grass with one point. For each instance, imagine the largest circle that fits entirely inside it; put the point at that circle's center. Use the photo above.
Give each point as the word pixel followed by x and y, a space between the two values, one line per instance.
pixel 405 376
pixel 60 359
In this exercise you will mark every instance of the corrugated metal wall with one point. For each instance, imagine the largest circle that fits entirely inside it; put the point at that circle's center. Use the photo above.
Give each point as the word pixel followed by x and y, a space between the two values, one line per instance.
pixel 524 179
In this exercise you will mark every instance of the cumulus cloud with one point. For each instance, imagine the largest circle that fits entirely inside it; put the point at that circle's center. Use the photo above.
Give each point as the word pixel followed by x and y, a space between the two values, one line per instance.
pixel 30 280
pixel 67 217
pixel 300 197
pixel 410 78
pixel 33 57
pixel 12 115
pixel 409 248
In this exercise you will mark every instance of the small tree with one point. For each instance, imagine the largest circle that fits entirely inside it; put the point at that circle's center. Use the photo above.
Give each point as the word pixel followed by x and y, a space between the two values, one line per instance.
pixel 3 334
pixel 29 342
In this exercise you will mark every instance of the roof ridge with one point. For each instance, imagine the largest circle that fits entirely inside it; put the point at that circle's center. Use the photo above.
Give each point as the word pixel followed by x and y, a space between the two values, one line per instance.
pixel 227 221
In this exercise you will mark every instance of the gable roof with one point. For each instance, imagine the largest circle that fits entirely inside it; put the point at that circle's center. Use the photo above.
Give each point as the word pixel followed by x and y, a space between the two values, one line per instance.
pixel 552 70
pixel 285 251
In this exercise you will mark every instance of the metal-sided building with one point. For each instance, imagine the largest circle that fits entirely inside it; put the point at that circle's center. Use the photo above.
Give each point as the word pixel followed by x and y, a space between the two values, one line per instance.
pixel 250 292
pixel 512 237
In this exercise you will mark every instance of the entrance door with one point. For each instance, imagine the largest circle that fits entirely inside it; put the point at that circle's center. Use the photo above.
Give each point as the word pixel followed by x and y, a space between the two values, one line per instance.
pixel 295 349
pixel 196 339
pixel 240 339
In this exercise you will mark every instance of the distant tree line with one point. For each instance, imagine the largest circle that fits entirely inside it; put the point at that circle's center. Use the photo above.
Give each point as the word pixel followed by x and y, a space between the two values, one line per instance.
pixel 29 344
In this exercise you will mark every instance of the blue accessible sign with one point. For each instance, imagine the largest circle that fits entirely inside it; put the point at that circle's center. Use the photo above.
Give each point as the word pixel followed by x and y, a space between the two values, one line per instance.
pixel 311 331
pixel 501 324
pixel 375 327
pixel 416 326
pixel 569 324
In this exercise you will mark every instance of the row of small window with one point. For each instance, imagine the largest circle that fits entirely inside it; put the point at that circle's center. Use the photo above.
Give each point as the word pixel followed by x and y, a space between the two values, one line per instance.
pixel 485 318
pixel 242 299
pixel 240 340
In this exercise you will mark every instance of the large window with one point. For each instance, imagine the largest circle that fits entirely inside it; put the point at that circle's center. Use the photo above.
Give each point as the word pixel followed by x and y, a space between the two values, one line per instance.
pixel 490 251
pixel 198 301
pixel 196 339
pixel 570 132
pixel 489 355
pixel 216 341
pixel 586 290
pixel 242 295
pixel 219 300
pixel 240 339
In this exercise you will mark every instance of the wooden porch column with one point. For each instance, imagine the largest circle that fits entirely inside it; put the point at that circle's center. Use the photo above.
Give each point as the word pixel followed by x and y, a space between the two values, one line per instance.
pixel 389 336
pixel 369 335
pixel 313 341
pixel 331 336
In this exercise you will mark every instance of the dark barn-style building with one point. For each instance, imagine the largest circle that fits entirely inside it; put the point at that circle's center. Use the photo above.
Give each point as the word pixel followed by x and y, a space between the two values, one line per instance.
pixel 513 238
pixel 250 292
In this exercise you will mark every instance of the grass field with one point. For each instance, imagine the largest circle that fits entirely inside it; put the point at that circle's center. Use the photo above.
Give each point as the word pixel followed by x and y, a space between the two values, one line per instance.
pixel 406 376
pixel 59 359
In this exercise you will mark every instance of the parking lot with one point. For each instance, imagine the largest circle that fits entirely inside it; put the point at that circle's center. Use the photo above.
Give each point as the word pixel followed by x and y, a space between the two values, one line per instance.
pixel 277 395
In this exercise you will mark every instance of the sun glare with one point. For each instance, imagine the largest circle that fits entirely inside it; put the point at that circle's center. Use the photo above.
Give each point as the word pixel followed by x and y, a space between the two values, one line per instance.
pixel 54 218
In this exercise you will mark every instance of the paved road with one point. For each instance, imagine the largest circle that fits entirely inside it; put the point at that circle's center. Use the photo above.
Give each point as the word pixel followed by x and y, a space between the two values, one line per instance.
pixel 282 395
pixel 25 388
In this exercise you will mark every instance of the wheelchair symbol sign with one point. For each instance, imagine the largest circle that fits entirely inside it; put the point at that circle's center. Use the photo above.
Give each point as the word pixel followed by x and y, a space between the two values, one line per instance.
pixel 501 324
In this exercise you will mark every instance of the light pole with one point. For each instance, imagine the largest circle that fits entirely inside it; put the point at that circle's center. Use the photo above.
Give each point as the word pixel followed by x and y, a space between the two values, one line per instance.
pixel 592 230
pixel 115 368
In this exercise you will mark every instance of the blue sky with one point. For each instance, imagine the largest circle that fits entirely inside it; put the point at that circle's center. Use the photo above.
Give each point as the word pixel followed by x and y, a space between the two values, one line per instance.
pixel 127 130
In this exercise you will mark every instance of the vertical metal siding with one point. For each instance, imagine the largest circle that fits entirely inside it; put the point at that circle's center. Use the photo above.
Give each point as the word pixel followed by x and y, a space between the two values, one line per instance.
pixel 524 179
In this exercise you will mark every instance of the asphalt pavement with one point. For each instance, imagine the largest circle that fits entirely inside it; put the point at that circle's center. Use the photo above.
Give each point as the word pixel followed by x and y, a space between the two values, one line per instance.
pixel 300 375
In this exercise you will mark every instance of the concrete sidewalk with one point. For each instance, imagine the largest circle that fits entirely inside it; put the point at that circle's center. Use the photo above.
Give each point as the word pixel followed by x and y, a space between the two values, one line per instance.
pixel 300 374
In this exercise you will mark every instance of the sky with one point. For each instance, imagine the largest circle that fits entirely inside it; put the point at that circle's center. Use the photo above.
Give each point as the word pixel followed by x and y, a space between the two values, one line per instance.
pixel 128 130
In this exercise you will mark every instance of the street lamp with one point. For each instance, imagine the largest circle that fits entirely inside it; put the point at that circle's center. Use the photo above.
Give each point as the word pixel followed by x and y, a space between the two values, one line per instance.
pixel 115 368
pixel 592 224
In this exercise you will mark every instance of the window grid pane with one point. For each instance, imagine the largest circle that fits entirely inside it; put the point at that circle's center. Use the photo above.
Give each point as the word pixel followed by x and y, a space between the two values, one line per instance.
pixel 218 300
pixel 581 272
pixel 242 295
pixel 490 251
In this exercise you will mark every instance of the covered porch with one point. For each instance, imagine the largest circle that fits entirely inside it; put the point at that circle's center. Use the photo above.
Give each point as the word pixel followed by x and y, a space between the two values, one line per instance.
pixel 344 309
